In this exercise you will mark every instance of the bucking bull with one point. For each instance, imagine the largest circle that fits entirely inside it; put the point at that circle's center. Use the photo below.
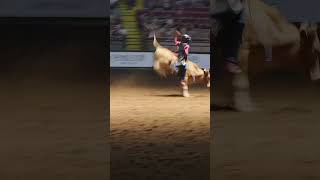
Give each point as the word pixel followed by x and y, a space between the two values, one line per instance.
pixel 164 61
pixel 275 31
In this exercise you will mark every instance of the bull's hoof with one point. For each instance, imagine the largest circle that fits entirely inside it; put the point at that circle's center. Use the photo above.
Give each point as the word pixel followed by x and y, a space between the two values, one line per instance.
pixel 242 102
pixel 186 95
pixel 245 108
pixel 226 107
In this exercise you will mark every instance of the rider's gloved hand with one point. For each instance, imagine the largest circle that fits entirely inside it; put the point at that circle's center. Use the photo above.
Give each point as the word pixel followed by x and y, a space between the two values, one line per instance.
pixel 178 33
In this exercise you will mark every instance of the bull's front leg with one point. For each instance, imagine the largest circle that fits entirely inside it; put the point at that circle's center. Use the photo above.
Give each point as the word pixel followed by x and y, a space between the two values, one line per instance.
pixel 184 88
pixel 315 69
pixel 183 75
pixel 242 99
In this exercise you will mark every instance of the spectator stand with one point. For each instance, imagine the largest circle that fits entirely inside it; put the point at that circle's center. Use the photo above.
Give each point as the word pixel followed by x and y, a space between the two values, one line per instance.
pixel 165 22
pixel 162 17
pixel 117 32
pixel 128 27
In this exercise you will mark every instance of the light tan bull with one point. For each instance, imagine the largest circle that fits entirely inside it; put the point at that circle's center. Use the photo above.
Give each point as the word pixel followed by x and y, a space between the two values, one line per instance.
pixel 275 31
pixel 164 60
pixel 264 26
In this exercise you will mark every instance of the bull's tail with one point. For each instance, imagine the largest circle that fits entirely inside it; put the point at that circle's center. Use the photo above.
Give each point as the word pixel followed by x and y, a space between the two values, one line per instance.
pixel 155 42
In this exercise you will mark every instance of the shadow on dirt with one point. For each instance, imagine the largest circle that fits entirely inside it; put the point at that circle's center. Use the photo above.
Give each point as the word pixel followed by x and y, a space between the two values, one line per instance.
pixel 216 107
pixel 169 95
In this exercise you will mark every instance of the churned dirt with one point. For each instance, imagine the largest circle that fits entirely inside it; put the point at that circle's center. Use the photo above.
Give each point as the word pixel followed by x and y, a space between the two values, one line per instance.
pixel 155 133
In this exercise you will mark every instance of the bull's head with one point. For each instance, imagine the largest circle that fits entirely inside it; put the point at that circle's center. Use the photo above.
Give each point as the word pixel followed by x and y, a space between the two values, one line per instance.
pixel 206 77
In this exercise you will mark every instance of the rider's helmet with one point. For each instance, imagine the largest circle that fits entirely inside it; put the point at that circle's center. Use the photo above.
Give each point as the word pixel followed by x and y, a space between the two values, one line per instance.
pixel 186 39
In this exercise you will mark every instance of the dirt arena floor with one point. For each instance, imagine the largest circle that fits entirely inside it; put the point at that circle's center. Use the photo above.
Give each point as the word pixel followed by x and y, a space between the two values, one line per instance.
pixel 156 134
pixel 53 98
pixel 279 141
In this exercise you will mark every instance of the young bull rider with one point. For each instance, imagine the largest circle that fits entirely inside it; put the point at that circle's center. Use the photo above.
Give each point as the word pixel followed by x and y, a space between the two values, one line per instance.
pixel 229 14
pixel 183 47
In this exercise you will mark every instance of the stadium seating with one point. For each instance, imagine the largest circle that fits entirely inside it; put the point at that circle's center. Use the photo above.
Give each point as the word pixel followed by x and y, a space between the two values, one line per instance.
pixel 176 4
pixel 164 17
pixel 117 32
pixel 164 23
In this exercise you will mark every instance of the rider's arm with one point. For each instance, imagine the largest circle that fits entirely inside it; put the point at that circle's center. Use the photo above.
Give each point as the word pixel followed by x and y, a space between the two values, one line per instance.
pixel 176 41
pixel 236 5
pixel 186 49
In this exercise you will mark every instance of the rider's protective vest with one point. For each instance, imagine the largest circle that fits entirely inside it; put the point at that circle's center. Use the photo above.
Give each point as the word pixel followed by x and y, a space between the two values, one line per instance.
pixel 181 50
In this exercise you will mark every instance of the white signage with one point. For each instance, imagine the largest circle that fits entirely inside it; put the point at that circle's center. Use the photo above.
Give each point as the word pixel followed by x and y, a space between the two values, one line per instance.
pixel 145 59
pixel 131 59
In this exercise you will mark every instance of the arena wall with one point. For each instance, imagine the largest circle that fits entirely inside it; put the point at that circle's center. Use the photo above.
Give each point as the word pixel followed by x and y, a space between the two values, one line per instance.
pixel 145 59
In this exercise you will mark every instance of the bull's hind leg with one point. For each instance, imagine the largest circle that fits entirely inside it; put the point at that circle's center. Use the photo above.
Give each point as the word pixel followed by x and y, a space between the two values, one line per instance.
pixel 315 69
pixel 242 99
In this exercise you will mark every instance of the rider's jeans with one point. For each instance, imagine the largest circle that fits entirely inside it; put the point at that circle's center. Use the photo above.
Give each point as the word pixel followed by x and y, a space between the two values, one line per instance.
pixel 229 36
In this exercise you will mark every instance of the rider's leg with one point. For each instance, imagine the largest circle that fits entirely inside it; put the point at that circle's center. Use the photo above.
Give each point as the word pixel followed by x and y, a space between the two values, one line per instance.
pixel 268 53
pixel 183 78
pixel 233 42
pixel 184 87
pixel 181 66
pixel 176 65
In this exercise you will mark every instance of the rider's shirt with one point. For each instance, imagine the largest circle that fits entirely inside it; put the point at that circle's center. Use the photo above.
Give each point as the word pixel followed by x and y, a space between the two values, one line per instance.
pixel 182 49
